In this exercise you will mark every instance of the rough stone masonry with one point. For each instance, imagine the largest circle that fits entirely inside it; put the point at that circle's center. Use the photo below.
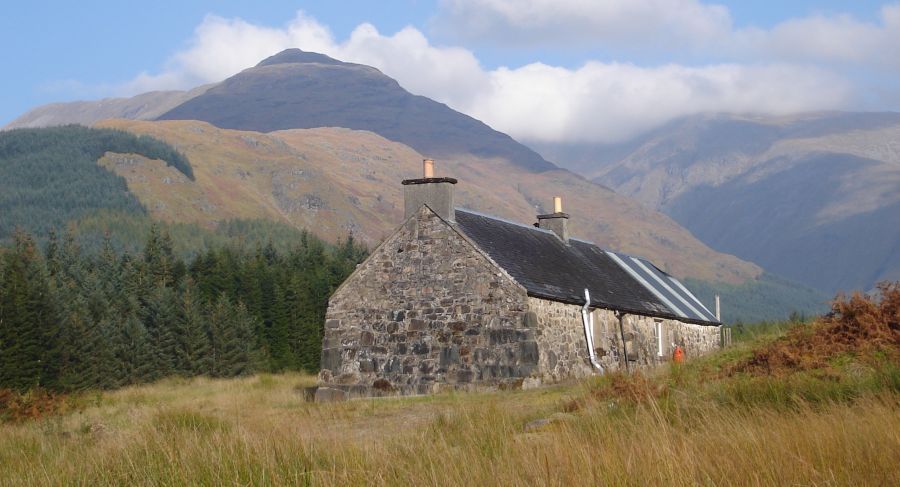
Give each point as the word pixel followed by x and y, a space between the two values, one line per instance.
pixel 431 310
pixel 427 311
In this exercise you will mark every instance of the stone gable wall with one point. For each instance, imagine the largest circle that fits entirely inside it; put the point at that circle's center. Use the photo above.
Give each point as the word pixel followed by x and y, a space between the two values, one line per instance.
pixel 426 311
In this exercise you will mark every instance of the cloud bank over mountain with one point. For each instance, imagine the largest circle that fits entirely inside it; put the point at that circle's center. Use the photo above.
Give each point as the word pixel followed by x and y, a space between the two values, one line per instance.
pixel 797 65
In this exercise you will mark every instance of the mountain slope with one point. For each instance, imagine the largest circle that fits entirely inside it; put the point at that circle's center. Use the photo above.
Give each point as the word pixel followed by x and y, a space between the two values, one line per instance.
pixel 146 106
pixel 334 180
pixel 296 89
pixel 814 197
pixel 50 176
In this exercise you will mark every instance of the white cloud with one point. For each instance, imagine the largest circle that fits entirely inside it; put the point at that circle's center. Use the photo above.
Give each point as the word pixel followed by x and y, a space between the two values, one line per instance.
pixel 599 102
pixel 635 22
pixel 832 39
pixel 673 26
pixel 223 47
pixel 450 75
pixel 610 102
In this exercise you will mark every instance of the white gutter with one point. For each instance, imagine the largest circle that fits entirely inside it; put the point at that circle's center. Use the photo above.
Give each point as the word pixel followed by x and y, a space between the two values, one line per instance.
pixel 588 319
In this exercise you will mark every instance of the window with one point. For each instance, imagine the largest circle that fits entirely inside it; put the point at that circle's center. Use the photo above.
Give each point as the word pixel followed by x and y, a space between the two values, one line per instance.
pixel 659 338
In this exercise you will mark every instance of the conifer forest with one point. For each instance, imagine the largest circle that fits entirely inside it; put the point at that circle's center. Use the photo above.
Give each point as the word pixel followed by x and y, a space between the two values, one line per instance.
pixel 73 319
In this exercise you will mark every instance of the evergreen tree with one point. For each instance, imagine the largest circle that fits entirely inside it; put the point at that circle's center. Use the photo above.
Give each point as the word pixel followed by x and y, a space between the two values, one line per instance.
pixel 80 363
pixel 160 318
pixel 231 339
pixel 278 331
pixel 131 348
pixel 159 258
pixel 75 320
pixel 28 328
pixel 194 354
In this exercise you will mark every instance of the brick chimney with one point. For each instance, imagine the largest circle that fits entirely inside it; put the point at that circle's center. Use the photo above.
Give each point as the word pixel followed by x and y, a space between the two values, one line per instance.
pixel 436 193
pixel 556 222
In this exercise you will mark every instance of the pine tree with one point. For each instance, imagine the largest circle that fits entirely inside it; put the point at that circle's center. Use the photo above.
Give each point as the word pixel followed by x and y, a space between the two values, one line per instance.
pixel 80 365
pixel 194 354
pixel 278 331
pixel 231 336
pixel 52 253
pixel 221 336
pixel 132 351
pixel 28 328
pixel 75 321
pixel 159 258
pixel 160 317
pixel 246 357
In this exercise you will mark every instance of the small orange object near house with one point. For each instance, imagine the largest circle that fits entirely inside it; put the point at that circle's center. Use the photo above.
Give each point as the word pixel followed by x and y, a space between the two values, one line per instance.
pixel 678 355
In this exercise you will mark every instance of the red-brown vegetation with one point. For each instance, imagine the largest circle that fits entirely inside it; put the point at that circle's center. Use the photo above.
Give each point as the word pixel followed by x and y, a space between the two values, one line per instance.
pixel 36 403
pixel 861 325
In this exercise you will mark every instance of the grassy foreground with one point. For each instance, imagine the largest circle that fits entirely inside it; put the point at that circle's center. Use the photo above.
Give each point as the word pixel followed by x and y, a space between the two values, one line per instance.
pixel 259 431
pixel 817 404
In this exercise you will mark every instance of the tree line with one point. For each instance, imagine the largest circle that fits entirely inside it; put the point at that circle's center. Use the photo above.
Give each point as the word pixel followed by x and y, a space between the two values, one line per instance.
pixel 74 320
pixel 49 176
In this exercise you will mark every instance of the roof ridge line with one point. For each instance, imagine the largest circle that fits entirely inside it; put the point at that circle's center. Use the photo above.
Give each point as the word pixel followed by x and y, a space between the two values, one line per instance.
pixel 504 220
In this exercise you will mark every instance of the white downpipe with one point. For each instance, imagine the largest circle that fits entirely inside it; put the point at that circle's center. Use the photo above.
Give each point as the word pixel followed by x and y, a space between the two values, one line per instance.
pixel 588 319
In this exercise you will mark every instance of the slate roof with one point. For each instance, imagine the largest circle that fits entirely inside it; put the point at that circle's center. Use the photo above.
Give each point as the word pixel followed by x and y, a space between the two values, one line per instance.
pixel 548 268
pixel 669 290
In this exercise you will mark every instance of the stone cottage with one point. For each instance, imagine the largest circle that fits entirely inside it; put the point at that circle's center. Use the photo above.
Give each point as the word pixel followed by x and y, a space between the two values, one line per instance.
pixel 457 299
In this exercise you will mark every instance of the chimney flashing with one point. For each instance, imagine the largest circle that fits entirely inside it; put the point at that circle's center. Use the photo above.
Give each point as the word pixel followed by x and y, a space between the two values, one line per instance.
pixel 553 215
pixel 407 182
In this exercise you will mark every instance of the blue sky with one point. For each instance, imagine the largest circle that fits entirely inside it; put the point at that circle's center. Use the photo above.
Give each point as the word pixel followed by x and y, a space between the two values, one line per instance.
pixel 534 68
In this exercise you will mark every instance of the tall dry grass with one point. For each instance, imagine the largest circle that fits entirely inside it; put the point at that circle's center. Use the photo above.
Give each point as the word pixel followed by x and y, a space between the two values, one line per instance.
pixel 259 431
pixel 819 405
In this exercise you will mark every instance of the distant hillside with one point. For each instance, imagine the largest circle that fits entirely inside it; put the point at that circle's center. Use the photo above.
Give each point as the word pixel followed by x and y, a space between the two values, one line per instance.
pixel 815 198
pixel 333 181
pixel 296 89
pixel 146 106
pixel 767 298
pixel 50 176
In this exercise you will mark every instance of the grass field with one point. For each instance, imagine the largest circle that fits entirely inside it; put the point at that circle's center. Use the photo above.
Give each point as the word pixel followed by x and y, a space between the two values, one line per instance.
pixel 829 417
pixel 260 431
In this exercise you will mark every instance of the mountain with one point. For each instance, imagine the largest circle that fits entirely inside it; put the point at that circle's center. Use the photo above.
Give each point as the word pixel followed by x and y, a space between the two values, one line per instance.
pixel 335 180
pixel 146 106
pixel 293 169
pixel 812 197
pixel 296 89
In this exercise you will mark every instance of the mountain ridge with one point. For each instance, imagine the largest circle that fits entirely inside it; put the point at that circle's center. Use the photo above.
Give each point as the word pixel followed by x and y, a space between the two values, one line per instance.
pixel 814 197
pixel 298 56
pixel 335 180
pixel 145 106
pixel 297 89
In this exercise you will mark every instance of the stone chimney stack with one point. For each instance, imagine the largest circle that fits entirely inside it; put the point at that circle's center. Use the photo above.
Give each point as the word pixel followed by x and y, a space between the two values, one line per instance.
pixel 556 222
pixel 436 193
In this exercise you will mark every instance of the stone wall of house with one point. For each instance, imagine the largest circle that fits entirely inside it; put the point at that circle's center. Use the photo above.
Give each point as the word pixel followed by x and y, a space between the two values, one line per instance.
pixel 425 311
pixel 428 311
pixel 643 347
pixel 562 346
pixel 561 342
